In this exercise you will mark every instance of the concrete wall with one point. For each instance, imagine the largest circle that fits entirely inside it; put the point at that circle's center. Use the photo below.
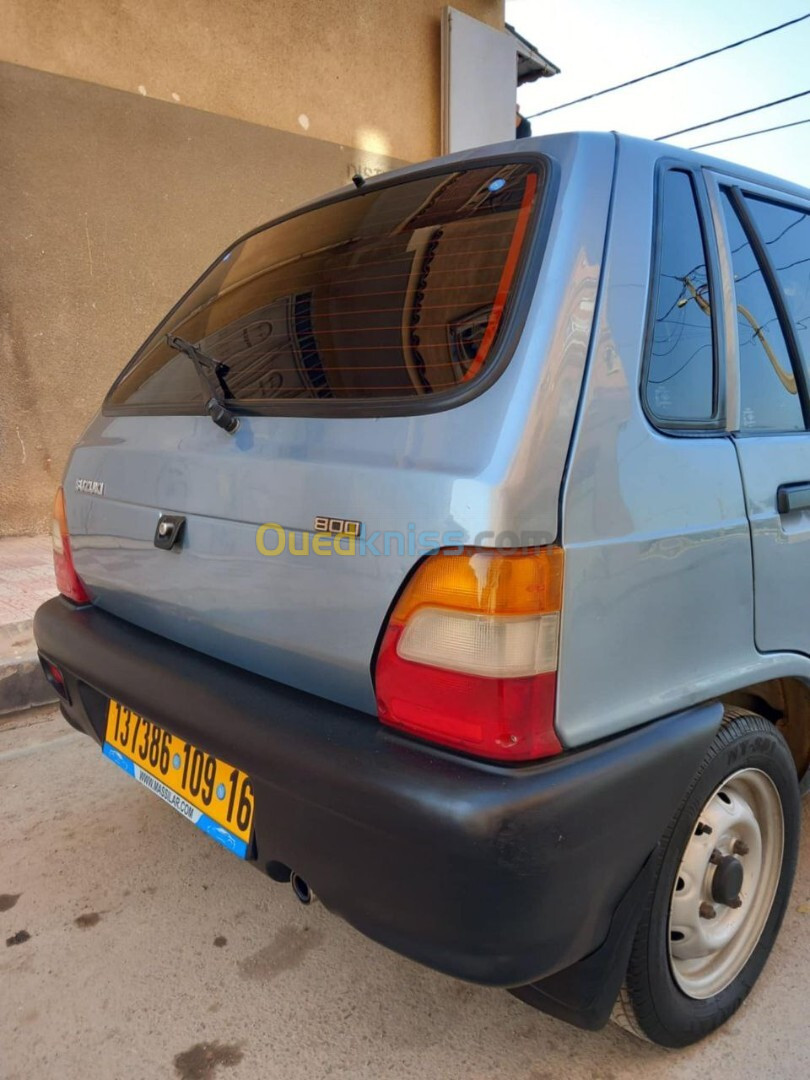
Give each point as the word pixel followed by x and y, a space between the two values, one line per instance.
pixel 137 140
pixel 363 73
pixel 111 204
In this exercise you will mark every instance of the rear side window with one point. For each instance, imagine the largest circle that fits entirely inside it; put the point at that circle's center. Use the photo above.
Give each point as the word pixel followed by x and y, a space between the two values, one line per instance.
pixel 680 383
pixel 389 295
pixel 785 235
pixel 769 398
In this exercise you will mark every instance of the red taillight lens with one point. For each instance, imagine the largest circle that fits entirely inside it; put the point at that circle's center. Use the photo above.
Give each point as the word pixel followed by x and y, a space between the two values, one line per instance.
pixel 68 581
pixel 469 657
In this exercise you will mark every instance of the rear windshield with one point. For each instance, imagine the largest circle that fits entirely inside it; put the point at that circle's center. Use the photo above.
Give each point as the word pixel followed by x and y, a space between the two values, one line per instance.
pixel 390 294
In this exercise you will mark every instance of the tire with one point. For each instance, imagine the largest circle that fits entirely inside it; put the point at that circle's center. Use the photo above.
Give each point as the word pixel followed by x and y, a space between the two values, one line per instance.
pixel 689 970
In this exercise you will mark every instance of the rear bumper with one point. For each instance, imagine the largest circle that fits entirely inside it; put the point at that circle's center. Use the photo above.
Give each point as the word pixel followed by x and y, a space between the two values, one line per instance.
pixel 498 875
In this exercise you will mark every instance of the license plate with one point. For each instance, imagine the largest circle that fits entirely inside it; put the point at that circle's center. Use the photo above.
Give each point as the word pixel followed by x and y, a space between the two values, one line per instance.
pixel 214 796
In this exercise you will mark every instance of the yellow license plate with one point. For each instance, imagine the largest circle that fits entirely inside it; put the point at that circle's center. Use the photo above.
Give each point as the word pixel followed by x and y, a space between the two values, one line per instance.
pixel 215 797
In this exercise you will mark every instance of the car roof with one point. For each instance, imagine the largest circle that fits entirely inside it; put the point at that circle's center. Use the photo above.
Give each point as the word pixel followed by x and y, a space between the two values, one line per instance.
pixel 567 144
pixel 648 151
pixel 654 149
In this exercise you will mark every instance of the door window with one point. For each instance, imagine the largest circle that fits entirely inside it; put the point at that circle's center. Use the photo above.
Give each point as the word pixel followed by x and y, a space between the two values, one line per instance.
pixel 785 234
pixel 769 397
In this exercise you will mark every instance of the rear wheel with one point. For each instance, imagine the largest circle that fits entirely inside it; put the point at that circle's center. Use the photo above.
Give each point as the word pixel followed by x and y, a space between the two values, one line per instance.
pixel 725 869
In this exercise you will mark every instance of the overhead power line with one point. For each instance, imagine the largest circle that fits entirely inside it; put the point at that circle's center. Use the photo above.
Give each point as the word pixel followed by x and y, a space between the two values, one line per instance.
pixel 732 116
pixel 750 134
pixel 672 67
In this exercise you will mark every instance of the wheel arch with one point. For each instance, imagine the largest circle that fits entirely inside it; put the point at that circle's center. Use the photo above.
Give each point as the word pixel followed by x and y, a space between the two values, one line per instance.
pixel 786 703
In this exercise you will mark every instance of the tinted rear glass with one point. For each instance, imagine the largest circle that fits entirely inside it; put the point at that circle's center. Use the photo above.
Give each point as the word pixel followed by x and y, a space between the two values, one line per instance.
pixel 391 294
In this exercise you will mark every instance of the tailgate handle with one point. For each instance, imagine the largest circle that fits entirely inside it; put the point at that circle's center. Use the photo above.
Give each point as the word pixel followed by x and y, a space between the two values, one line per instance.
pixel 793 497
pixel 169 531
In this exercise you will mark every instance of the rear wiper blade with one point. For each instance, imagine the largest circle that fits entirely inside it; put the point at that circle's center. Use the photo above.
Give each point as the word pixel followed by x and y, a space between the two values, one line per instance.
pixel 212 376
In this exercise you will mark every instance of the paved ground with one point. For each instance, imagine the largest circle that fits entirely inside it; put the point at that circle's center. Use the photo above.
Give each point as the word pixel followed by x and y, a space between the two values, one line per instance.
pixel 148 941
pixel 26 576
pixel 26 580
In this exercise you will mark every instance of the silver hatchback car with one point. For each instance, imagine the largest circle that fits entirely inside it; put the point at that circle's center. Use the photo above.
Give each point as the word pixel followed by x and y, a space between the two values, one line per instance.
pixel 445 552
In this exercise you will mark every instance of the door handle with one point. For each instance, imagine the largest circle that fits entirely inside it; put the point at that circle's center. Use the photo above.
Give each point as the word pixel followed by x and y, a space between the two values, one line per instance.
pixel 793 497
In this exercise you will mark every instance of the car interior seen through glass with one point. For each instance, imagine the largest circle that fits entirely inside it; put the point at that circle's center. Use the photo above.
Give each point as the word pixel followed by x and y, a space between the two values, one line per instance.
pixel 392 293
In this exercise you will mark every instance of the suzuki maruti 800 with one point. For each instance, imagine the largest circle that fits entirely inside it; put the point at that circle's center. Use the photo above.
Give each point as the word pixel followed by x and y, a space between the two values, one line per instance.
pixel 445 551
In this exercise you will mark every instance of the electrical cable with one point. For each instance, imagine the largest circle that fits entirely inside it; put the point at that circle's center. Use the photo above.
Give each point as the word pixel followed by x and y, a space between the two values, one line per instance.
pixel 732 116
pixel 672 67
pixel 750 134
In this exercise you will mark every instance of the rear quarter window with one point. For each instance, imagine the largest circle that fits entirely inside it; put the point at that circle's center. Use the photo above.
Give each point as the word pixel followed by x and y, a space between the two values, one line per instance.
pixel 680 385
pixel 394 295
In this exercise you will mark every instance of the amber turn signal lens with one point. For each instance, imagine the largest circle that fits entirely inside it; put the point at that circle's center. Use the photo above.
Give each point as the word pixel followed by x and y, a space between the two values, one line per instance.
pixel 486 582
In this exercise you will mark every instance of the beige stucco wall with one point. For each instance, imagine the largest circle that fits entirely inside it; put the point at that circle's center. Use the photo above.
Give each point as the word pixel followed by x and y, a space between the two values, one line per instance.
pixel 364 73
pixel 111 205
pixel 137 139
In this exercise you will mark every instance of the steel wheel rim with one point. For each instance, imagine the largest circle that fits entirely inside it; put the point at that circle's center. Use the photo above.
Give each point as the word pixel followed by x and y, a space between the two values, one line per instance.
pixel 743 818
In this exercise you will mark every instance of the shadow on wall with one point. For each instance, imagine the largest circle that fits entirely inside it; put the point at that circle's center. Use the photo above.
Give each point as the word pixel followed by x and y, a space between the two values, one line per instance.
pixel 111 204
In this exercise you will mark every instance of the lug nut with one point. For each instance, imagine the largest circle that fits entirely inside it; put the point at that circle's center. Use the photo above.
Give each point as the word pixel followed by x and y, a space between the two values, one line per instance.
pixel 739 847
pixel 737 902
pixel 706 910
pixel 716 857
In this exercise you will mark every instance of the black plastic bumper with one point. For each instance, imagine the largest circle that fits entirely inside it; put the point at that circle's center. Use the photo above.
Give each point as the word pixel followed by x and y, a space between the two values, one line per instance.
pixel 496 875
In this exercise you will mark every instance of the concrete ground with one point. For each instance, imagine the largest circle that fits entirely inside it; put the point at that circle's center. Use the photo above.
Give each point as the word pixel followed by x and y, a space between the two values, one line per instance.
pixel 26 576
pixel 151 952
pixel 26 581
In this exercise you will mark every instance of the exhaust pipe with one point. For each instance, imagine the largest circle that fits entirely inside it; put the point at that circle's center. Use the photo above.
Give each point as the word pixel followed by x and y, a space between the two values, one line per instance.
pixel 302 891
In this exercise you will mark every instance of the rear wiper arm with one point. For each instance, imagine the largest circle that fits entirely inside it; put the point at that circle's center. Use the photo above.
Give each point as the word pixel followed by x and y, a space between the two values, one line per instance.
pixel 212 376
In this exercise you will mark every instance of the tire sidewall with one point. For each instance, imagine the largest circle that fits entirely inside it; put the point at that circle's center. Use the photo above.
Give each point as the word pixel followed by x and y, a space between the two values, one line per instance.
pixel 666 1014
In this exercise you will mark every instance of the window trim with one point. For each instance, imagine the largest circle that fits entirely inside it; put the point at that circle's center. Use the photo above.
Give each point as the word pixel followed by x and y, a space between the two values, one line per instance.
pixel 716 423
pixel 727 293
pixel 511 328
pixel 737 189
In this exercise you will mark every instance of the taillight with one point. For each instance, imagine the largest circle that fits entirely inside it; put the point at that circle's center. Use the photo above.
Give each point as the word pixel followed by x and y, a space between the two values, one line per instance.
pixel 68 581
pixel 469 656
pixel 55 677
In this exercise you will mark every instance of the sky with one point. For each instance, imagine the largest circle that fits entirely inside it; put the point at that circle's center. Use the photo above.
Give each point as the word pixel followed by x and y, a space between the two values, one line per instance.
pixel 597 43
